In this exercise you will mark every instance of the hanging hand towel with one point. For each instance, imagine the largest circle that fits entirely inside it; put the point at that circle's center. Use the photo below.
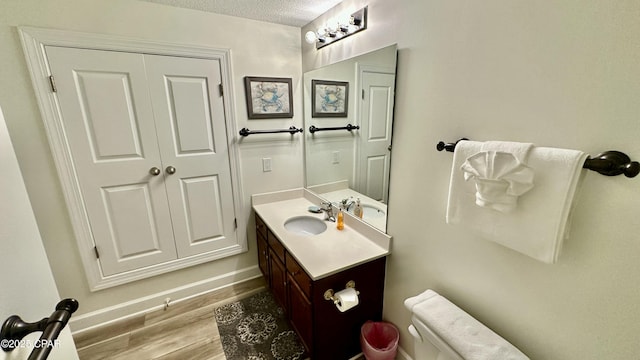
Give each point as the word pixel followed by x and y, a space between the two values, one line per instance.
pixel 537 226
pixel 463 333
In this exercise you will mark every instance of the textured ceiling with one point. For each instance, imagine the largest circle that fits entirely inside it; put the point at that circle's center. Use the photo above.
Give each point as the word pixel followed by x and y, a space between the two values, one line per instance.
pixel 288 12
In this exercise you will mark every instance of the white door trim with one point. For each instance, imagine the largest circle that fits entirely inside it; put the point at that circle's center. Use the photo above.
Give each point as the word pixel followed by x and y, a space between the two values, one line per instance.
pixel 34 41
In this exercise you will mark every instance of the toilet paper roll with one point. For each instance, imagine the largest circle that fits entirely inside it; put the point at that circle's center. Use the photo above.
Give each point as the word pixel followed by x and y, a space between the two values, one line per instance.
pixel 347 299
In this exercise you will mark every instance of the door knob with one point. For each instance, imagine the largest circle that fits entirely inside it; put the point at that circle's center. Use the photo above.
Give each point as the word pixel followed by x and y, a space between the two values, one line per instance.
pixel 170 170
pixel 154 171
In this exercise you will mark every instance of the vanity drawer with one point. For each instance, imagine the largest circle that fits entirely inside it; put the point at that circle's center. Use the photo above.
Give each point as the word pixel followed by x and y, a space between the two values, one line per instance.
pixel 275 245
pixel 299 275
pixel 261 228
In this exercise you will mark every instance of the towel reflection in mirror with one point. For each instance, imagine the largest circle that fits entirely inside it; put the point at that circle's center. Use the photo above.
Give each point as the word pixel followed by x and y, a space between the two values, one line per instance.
pixel 500 178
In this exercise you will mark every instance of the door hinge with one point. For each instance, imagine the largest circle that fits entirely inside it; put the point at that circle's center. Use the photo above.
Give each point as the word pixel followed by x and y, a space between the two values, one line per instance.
pixel 95 249
pixel 221 89
pixel 235 223
pixel 362 94
pixel 52 82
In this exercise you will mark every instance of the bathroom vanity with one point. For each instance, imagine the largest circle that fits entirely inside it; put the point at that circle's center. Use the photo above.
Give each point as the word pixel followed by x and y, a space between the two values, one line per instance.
pixel 301 268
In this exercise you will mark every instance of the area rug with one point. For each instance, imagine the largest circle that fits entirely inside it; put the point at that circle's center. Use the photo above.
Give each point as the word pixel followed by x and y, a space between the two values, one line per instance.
pixel 256 328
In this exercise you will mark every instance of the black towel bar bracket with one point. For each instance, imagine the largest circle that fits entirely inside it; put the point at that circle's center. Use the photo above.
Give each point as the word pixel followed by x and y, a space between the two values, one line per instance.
pixel 291 130
pixel 349 127
pixel 609 163
pixel 14 329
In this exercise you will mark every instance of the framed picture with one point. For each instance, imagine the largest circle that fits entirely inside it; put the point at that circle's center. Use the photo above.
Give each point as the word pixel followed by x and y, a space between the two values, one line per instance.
pixel 329 98
pixel 268 97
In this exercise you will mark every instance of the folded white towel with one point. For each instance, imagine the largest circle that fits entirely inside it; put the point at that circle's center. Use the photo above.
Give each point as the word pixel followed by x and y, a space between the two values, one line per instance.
pixel 500 178
pixel 463 333
pixel 518 149
pixel 538 225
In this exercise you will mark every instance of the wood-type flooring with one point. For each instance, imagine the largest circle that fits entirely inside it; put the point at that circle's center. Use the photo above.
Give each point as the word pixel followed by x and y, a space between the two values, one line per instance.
pixel 185 330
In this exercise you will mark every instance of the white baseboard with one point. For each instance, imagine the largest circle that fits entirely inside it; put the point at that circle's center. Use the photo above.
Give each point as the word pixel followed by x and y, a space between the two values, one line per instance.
pixel 155 301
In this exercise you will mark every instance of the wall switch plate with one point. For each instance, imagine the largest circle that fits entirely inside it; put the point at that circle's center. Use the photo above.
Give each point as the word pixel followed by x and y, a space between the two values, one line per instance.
pixel 266 164
pixel 335 157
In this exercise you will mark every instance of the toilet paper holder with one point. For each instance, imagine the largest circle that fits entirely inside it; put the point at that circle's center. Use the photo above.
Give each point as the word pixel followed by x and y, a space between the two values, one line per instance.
pixel 330 294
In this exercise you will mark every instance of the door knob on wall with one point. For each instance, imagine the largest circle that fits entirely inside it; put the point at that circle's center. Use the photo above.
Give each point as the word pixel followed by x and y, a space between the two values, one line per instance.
pixel 154 171
pixel 170 170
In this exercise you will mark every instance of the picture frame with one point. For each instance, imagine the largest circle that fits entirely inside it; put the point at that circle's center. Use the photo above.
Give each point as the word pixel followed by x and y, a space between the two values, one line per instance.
pixel 268 97
pixel 329 98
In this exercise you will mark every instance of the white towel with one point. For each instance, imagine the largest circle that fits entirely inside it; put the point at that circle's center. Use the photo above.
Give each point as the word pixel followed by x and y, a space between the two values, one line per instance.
pixel 538 225
pixel 463 333
pixel 518 149
pixel 499 179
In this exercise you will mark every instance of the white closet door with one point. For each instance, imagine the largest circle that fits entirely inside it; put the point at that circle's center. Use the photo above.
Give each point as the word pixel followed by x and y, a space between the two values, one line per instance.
pixel 375 134
pixel 110 130
pixel 191 128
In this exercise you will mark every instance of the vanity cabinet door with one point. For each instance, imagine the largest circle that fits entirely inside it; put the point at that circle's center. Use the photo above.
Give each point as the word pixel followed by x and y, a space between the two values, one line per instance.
pixel 276 245
pixel 261 228
pixel 298 274
pixel 300 313
pixel 278 280
pixel 263 257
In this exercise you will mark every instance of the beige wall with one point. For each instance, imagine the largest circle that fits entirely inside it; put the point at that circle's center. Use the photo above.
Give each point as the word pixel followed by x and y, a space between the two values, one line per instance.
pixel 250 54
pixel 560 74
pixel 28 269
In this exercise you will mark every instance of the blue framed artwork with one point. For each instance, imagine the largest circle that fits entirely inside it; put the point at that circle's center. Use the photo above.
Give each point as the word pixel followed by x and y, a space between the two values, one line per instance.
pixel 268 97
pixel 329 98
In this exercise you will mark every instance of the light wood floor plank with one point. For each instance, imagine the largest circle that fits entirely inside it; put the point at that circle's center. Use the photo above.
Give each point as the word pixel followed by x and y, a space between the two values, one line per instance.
pixel 104 349
pixel 203 350
pixel 101 333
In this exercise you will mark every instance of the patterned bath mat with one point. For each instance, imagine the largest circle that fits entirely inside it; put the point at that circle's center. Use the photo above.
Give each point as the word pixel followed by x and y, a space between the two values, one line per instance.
pixel 255 328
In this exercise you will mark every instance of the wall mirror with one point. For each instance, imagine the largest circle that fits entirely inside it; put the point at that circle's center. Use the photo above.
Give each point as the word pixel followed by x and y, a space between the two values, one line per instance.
pixel 348 118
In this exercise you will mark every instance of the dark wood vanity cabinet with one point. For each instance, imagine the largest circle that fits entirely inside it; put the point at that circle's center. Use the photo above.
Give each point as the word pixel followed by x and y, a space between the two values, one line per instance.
pixel 263 248
pixel 325 332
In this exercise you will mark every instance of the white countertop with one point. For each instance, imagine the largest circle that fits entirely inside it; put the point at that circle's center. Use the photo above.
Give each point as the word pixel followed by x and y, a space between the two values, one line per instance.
pixel 329 252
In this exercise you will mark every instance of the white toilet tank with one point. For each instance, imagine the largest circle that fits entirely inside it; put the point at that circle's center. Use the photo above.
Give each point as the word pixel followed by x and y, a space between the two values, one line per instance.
pixel 443 331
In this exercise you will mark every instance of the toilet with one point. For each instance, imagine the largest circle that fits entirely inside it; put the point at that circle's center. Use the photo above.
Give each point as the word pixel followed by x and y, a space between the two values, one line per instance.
pixel 443 331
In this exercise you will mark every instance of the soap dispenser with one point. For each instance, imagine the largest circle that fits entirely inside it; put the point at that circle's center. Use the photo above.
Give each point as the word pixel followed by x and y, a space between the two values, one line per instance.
pixel 357 210
pixel 340 221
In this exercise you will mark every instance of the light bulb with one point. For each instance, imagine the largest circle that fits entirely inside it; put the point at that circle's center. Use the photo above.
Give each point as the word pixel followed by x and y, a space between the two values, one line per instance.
pixel 310 37
pixel 333 25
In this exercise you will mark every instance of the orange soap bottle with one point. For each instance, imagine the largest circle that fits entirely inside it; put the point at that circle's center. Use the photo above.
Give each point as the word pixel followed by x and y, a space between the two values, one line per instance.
pixel 340 220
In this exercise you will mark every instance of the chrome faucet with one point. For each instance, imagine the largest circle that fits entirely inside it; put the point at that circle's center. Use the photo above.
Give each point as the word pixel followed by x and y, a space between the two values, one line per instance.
pixel 347 203
pixel 327 208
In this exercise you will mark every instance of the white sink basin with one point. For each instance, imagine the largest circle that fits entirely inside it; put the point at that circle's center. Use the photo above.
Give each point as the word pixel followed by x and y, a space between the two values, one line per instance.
pixel 305 225
pixel 371 212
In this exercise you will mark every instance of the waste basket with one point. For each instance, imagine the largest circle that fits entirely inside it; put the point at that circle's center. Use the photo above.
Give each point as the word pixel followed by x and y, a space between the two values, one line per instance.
pixel 379 340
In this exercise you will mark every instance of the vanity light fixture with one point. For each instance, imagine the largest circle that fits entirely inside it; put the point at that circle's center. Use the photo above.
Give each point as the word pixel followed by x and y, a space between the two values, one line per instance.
pixel 338 29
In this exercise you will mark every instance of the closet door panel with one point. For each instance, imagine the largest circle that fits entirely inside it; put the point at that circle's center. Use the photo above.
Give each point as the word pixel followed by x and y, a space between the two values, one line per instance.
pixel 110 131
pixel 190 123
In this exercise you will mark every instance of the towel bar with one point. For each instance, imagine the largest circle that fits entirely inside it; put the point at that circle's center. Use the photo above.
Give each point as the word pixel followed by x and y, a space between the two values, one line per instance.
pixel 14 329
pixel 349 127
pixel 291 130
pixel 609 163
